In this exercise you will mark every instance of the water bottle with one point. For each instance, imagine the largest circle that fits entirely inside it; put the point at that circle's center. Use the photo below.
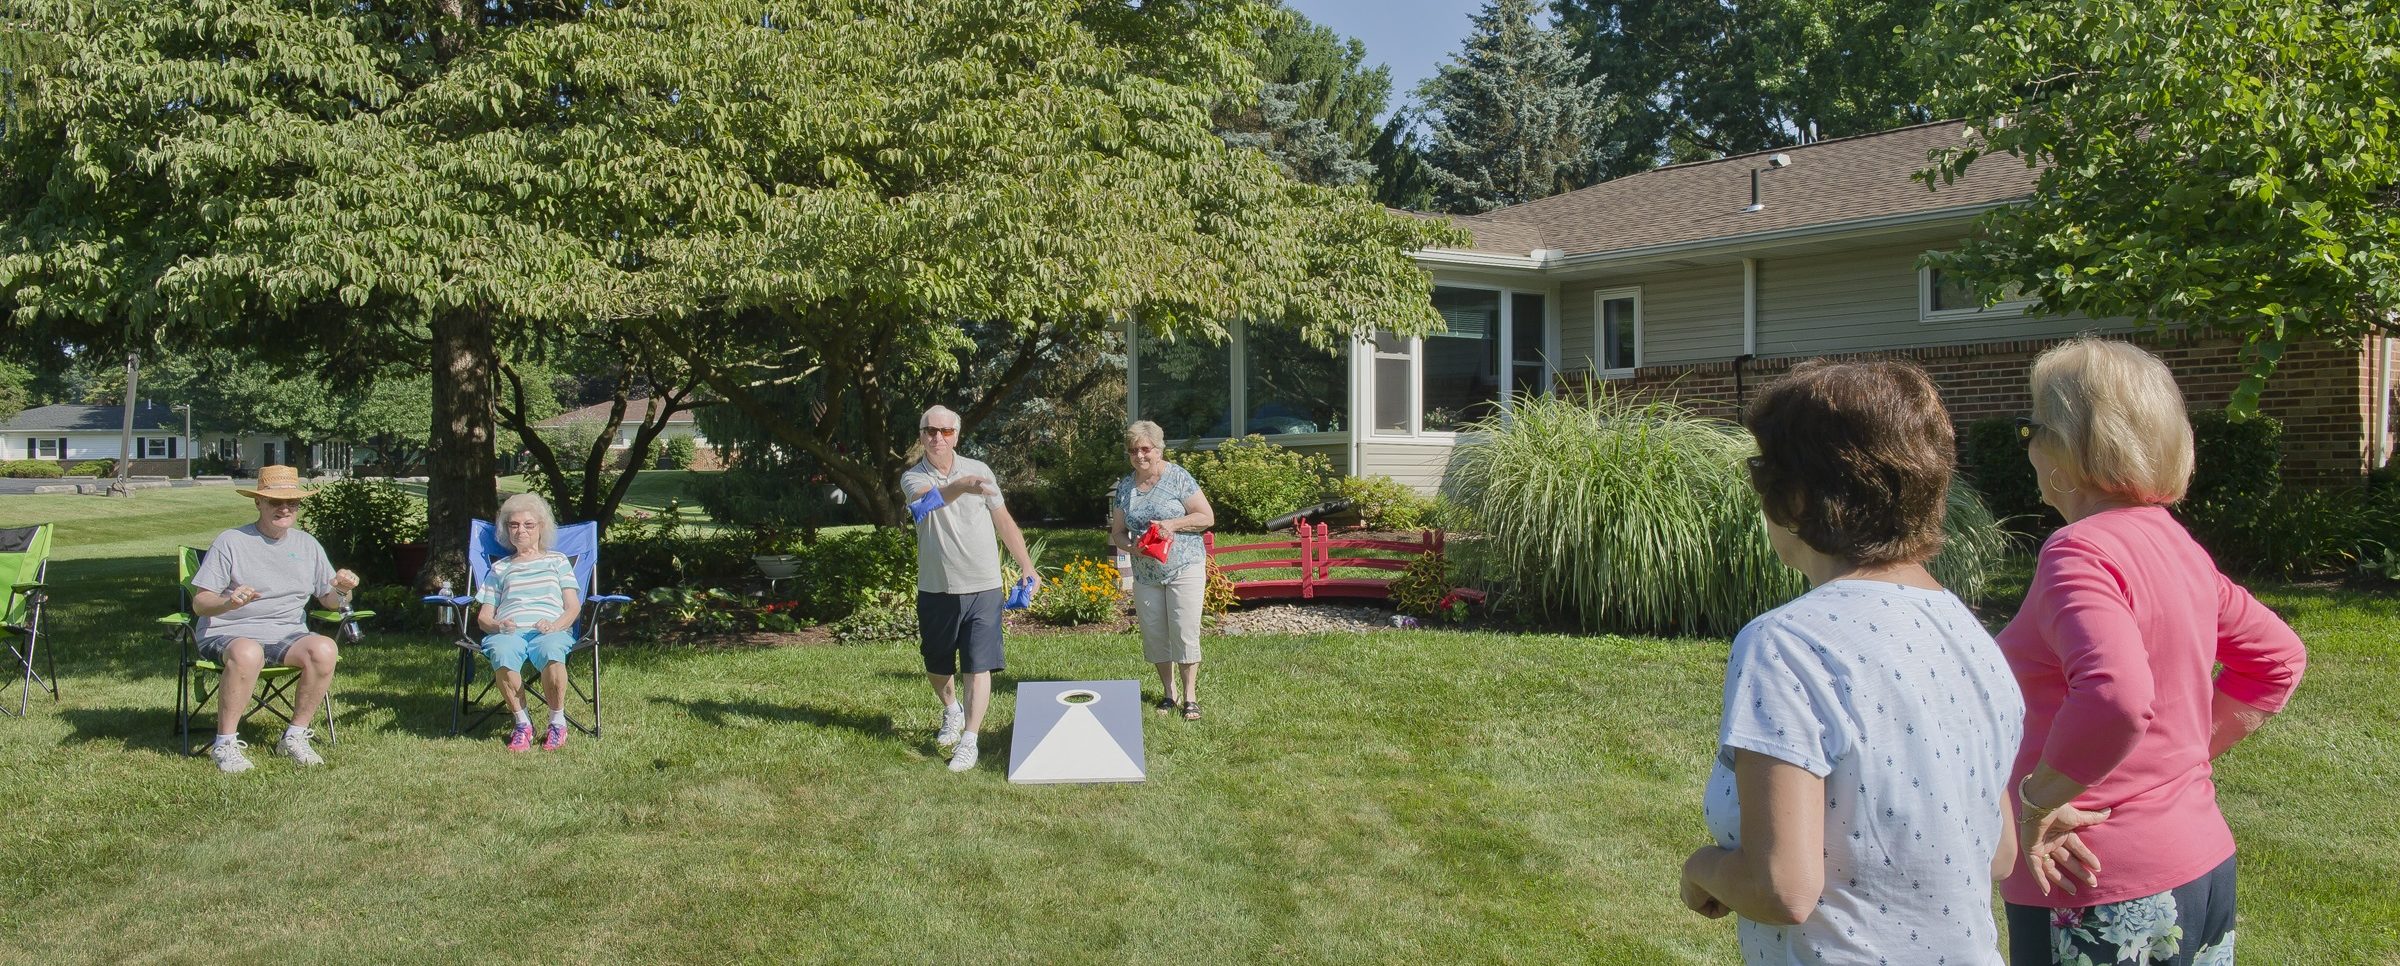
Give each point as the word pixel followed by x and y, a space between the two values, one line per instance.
pixel 447 611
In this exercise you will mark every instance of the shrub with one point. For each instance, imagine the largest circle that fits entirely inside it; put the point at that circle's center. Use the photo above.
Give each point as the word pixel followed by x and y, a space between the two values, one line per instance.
pixel 362 520
pixel 210 464
pixel 1420 590
pixel 648 550
pixel 1640 518
pixel 771 506
pixel 845 573
pixel 1219 597
pixel 1992 460
pixel 1250 481
pixel 1085 592
pixel 677 453
pixel 2252 524
pixel 1384 503
pixel 891 616
pixel 93 468
pixel 1067 476
pixel 29 470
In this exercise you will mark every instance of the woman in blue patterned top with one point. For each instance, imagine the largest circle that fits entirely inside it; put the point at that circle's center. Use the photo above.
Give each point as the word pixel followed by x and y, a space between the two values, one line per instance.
pixel 1167 594
pixel 527 608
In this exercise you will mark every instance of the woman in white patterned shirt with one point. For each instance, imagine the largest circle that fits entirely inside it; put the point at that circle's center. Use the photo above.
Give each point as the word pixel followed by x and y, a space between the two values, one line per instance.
pixel 527 609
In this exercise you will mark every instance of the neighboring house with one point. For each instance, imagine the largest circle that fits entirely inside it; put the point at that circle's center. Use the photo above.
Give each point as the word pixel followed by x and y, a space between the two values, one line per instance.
pixel 73 433
pixel 242 455
pixel 637 411
pixel 1675 282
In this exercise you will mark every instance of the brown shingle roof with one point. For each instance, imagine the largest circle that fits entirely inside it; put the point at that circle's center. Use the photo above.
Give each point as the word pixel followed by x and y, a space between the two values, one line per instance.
pixel 1828 182
pixel 636 410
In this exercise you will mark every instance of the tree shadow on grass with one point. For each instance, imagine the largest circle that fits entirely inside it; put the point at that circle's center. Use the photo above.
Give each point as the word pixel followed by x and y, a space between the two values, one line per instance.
pixel 145 728
pixel 723 713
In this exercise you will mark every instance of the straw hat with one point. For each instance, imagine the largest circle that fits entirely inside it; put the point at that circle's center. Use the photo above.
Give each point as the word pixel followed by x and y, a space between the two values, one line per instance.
pixel 277 483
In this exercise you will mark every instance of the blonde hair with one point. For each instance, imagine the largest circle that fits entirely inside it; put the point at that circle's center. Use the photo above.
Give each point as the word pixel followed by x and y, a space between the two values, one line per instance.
pixel 2111 415
pixel 527 503
pixel 1146 431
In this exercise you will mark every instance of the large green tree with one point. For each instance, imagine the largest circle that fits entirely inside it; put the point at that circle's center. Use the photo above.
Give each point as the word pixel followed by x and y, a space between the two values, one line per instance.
pixel 1316 107
pixel 2232 165
pixel 1511 117
pixel 1708 78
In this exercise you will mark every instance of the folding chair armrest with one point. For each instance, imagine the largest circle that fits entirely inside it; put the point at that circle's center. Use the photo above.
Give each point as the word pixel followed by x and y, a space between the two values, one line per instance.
pixel 31 585
pixel 176 620
pixel 611 599
pixel 440 601
pixel 335 615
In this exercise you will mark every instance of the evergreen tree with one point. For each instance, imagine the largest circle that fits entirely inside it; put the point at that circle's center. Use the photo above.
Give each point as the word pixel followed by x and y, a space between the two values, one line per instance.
pixel 1316 106
pixel 1512 117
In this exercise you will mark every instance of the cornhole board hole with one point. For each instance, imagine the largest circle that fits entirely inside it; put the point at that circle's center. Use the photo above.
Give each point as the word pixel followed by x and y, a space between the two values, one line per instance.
pixel 1077 731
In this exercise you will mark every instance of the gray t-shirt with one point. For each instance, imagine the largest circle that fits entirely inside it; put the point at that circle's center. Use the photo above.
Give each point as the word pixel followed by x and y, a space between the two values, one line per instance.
pixel 957 549
pixel 286 573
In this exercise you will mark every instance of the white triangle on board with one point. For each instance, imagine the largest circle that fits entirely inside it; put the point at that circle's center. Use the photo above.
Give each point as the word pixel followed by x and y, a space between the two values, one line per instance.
pixel 1077 749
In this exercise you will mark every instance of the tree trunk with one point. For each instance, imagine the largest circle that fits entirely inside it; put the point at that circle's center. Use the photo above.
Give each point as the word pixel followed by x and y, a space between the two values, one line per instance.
pixel 461 471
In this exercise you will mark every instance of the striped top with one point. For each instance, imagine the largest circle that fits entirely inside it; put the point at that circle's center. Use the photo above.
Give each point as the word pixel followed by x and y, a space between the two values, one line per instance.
pixel 528 592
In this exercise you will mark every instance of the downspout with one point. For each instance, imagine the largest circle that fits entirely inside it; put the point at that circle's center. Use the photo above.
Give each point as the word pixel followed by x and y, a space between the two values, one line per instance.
pixel 1741 394
pixel 2379 449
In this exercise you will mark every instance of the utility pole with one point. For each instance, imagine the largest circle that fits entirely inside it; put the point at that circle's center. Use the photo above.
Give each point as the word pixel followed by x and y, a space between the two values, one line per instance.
pixel 133 376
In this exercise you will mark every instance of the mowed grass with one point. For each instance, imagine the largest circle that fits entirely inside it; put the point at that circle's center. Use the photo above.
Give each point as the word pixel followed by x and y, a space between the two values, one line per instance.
pixel 1396 797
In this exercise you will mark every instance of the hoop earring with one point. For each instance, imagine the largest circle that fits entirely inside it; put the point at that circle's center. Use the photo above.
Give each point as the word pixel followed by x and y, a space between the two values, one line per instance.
pixel 2052 479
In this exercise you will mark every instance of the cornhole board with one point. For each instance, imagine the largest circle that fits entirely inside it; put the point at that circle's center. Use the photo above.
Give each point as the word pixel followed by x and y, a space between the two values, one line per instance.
pixel 1070 732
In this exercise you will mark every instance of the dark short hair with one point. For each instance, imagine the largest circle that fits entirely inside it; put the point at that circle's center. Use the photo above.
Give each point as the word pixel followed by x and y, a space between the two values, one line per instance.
pixel 1855 457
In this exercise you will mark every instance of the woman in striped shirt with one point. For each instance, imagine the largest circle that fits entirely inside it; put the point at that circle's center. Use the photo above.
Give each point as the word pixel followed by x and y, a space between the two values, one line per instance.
pixel 527 609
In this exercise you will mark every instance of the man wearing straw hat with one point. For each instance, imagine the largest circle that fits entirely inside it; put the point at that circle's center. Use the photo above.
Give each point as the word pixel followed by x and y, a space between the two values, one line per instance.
pixel 251 595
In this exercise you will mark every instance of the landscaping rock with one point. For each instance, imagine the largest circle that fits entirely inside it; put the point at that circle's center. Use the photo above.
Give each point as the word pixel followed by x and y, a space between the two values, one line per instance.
pixel 1305 619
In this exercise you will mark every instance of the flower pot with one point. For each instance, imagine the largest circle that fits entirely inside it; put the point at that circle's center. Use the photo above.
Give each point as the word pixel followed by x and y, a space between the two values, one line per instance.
pixel 777 566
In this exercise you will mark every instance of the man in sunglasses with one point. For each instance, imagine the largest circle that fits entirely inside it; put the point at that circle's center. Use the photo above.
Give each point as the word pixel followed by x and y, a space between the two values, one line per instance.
pixel 959 511
pixel 251 594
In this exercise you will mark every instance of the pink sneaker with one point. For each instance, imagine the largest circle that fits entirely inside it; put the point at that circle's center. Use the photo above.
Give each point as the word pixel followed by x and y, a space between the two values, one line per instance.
pixel 520 738
pixel 555 738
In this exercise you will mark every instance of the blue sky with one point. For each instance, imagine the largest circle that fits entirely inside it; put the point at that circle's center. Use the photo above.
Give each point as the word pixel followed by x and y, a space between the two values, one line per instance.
pixel 1411 36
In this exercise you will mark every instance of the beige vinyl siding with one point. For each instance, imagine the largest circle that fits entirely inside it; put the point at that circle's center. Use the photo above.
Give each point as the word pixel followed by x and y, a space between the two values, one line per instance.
pixel 1692 316
pixel 1866 300
pixel 1418 464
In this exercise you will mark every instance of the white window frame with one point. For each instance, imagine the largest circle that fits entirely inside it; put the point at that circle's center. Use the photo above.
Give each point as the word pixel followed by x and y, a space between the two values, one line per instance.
pixel 1927 313
pixel 1600 300
pixel 49 443
pixel 144 445
pixel 1416 362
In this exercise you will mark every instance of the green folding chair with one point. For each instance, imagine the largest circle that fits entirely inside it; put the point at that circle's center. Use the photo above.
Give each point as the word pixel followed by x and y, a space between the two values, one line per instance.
pixel 24 565
pixel 198 679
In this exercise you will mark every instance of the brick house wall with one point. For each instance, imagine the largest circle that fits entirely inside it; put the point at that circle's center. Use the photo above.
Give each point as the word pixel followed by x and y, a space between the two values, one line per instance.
pixel 2322 393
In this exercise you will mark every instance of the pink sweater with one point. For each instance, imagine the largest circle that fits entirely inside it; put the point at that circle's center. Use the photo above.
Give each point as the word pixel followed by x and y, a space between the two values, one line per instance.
pixel 2116 650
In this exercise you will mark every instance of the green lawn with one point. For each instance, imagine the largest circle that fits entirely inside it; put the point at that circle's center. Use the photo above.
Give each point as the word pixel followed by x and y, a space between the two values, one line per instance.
pixel 1416 797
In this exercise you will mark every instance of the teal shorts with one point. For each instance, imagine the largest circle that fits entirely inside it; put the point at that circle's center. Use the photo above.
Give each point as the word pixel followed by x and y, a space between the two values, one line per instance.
pixel 508 650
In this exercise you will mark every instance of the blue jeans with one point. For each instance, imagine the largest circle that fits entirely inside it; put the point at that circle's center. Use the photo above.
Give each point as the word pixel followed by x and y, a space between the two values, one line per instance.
pixel 507 650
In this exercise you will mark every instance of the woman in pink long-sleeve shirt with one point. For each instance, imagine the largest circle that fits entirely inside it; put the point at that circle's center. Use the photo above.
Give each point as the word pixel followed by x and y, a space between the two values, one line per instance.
pixel 2116 651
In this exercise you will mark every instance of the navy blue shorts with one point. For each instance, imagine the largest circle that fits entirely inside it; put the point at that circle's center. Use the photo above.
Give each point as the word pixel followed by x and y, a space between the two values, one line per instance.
pixel 949 625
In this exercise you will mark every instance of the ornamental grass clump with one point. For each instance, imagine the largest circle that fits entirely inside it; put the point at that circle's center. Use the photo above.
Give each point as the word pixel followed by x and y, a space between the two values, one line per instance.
pixel 1639 518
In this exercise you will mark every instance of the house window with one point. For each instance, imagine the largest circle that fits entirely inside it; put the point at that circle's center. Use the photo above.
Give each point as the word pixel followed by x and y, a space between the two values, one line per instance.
pixel 45 449
pixel 1461 367
pixel 1529 344
pixel 1941 295
pixel 154 447
pixel 1185 387
pixel 1290 386
pixel 1617 331
pixel 1394 385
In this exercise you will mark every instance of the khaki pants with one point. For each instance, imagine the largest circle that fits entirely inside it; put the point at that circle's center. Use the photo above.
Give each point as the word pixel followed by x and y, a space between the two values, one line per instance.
pixel 1170 617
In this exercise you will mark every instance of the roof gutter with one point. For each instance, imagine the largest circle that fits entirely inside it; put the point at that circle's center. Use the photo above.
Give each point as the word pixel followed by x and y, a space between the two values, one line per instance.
pixel 1552 259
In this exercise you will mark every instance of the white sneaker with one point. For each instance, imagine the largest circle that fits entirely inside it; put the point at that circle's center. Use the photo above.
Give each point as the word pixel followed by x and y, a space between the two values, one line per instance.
pixel 228 756
pixel 963 758
pixel 954 723
pixel 297 747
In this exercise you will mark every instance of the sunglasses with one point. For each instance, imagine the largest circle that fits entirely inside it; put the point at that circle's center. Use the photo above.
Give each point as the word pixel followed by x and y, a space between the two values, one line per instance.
pixel 283 504
pixel 2025 430
pixel 938 430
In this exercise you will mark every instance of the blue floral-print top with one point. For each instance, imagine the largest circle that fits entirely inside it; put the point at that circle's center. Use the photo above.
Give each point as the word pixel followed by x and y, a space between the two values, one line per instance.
pixel 1162 501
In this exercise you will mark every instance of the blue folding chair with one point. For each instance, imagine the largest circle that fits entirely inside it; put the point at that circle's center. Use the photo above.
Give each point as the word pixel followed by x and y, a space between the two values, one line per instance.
pixel 581 543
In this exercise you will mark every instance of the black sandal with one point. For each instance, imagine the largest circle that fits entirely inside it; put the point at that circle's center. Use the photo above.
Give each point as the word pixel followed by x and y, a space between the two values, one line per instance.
pixel 1191 711
pixel 1165 705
